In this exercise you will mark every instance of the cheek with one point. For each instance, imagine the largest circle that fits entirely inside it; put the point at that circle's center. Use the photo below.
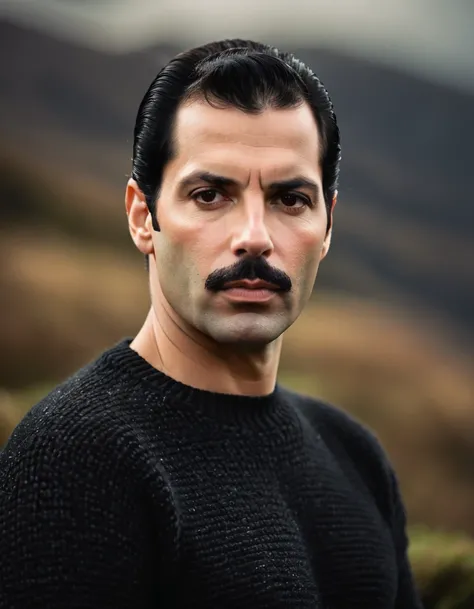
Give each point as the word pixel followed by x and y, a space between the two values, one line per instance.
pixel 207 250
pixel 189 248
pixel 302 252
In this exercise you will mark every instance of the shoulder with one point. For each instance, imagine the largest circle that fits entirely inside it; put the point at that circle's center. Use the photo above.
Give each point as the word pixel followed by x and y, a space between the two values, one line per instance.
pixel 336 425
pixel 352 443
pixel 77 425
pixel 87 439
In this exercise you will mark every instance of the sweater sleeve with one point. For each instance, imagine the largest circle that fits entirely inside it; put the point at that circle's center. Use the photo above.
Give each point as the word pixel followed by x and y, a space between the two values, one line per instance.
pixel 408 596
pixel 72 531
pixel 353 439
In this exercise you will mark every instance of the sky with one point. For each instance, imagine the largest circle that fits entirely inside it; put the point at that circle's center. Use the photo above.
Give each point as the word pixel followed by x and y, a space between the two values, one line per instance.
pixel 431 37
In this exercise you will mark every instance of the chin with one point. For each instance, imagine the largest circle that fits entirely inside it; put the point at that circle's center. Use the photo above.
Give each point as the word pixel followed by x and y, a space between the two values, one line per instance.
pixel 252 330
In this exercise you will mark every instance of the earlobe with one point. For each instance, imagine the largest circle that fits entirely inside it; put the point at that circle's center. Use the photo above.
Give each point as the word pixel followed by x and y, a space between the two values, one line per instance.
pixel 327 239
pixel 138 218
pixel 331 211
pixel 326 245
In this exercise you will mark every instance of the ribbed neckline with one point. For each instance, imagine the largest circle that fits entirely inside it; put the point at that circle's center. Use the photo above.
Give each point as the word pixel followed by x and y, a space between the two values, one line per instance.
pixel 220 406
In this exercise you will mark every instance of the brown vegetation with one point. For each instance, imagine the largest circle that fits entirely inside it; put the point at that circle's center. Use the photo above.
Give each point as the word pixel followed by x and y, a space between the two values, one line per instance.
pixel 62 304
pixel 402 377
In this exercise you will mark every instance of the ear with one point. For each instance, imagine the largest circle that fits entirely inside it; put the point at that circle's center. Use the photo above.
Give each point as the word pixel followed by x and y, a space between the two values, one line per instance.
pixel 327 239
pixel 139 218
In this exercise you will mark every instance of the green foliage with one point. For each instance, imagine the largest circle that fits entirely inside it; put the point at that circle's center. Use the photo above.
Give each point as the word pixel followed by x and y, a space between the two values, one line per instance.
pixel 443 564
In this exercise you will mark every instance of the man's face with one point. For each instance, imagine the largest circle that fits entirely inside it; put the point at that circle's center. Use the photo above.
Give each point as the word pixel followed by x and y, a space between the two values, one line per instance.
pixel 241 189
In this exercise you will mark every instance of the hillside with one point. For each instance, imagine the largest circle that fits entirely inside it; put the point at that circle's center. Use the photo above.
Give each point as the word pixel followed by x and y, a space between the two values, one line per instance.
pixel 394 292
pixel 404 229
pixel 403 234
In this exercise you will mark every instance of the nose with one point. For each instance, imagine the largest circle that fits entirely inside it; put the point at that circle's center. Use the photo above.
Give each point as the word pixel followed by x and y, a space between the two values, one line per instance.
pixel 251 236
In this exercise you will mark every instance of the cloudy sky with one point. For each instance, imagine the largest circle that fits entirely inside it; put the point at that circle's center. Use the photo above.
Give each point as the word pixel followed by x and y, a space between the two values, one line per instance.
pixel 434 37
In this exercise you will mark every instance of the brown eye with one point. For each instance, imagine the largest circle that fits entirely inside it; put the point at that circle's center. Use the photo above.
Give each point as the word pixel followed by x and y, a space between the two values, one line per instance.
pixel 294 200
pixel 209 196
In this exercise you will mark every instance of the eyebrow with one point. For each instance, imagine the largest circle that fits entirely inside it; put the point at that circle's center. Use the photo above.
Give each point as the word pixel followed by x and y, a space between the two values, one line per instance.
pixel 224 182
pixel 295 184
pixel 209 178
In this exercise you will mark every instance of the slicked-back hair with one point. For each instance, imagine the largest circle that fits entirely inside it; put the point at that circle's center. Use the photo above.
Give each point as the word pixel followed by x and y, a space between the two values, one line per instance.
pixel 242 74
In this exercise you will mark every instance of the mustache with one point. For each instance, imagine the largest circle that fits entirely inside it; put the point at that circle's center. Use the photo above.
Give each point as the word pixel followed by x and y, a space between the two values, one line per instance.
pixel 251 269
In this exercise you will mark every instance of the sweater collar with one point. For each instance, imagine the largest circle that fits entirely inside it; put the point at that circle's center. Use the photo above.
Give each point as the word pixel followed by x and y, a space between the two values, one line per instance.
pixel 224 406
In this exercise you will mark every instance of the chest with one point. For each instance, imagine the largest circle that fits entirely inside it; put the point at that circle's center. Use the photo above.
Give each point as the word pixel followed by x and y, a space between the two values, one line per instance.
pixel 280 534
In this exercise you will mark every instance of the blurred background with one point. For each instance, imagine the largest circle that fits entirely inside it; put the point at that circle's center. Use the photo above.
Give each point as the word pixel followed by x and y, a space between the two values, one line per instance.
pixel 389 335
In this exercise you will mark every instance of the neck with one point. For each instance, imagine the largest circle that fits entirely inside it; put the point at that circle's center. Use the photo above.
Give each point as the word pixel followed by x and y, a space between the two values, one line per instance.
pixel 195 360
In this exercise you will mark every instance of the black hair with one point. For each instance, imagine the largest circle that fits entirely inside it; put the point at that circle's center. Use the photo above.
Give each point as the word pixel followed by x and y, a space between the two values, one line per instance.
pixel 231 73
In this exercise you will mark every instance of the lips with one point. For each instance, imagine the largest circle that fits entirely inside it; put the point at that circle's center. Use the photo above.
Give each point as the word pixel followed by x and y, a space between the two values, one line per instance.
pixel 251 284
pixel 248 291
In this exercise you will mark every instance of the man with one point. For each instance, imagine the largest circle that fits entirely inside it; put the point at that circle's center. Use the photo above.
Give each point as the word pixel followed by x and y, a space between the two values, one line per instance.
pixel 174 471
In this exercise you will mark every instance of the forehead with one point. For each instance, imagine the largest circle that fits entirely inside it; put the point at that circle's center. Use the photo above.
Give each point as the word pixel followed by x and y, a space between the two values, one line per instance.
pixel 275 141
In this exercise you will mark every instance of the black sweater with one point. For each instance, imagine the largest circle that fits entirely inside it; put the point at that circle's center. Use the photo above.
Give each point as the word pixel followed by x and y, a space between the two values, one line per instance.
pixel 125 489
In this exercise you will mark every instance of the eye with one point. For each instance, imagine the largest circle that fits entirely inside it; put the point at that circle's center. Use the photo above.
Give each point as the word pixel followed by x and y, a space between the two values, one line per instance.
pixel 209 197
pixel 294 201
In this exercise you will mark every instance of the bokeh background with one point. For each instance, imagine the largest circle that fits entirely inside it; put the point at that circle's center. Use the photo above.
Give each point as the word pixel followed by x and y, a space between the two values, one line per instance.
pixel 389 334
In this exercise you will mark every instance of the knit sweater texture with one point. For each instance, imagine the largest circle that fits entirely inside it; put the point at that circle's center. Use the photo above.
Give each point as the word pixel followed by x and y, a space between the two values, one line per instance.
pixel 125 489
